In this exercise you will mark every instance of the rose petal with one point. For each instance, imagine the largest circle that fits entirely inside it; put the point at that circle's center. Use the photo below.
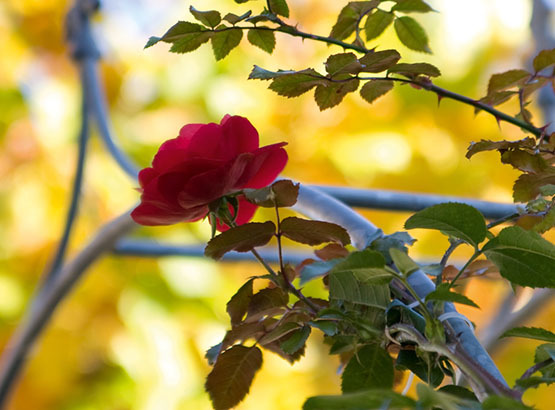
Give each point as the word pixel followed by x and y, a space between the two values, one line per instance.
pixel 151 215
pixel 207 143
pixel 239 135
pixel 146 175
pixel 269 161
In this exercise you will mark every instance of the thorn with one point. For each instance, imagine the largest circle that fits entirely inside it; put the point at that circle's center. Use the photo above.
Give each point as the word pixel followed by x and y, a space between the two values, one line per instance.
pixel 498 121
pixel 439 98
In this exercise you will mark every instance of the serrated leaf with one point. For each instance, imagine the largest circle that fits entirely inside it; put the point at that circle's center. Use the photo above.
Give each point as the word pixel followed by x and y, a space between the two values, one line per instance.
pixel 524 161
pixel 230 379
pixel 342 63
pixel 243 332
pixel 242 238
pixel 313 232
pixel 403 262
pixel 411 6
pixel 545 352
pixel 459 392
pixel 317 270
pixel 378 61
pixel 263 39
pixel 530 333
pixel 328 327
pixel 225 40
pixel 264 17
pixel 377 22
pixel 259 73
pixel 370 368
pixel 265 302
pixel 331 251
pixel 486 145
pixel 414 70
pixel 534 382
pixel 443 294
pixel 279 7
pixel 507 79
pixel 184 36
pixel 455 219
pixel 297 83
pixel 544 59
pixel 296 341
pixel 281 193
pixel 364 400
pixel 527 186
pixel 497 98
pixel 523 257
pixel 239 302
pixel 209 18
pixel 398 240
pixel 366 266
pixel 234 18
pixel 345 285
pixel 280 331
pixel 411 34
pixel 427 372
pixel 330 94
pixel 498 402
pixel 346 23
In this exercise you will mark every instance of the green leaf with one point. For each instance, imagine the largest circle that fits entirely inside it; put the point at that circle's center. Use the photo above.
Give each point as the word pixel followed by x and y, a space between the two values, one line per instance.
pixel 369 368
pixel 296 341
pixel 427 372
pixel 266 302
pixel 317 269
pixel 330 94
pixel 263 39
pixel 226 40
pixel 209 18
pixel 454 219
pixel 230 379
pixel 414 70
pixel 376 23
pixel 329 327
pixel 534 381
pixel 497 98
pixel 241 239
pixel 346 285
pixel 459 392
pixel 486 145
pixel 281 193
pixel 545 352
pixel 530 333
pixel 259 73
pixel 242 332
pixel 374 89
pixel 498 402
pixel 523 257
pixel 528 186
pixel 366 266
pixel 524 161
pixel 349 18
pixel 378 61
pixel 411 34
pixel 411 6
pixel 234 18
pixel 313 232
pixel 239 303
pixel 280 331
pixel 403 261
pixel 508 79
pixel 279 7
pixel 364 400
pixel 184 36
pixel 342 63
pixel 544 59
pixel 297 83
pixel 398 240
pixel 443 294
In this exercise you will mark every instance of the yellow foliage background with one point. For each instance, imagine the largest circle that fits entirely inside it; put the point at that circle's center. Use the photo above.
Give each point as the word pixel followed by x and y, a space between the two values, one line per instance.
pixel 133 333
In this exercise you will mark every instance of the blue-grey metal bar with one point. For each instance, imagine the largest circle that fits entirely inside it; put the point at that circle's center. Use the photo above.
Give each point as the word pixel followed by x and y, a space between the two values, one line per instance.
pixel 403 201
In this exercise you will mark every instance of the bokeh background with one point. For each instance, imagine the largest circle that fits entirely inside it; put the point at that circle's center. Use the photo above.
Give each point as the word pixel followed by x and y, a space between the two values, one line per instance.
pixel 133 333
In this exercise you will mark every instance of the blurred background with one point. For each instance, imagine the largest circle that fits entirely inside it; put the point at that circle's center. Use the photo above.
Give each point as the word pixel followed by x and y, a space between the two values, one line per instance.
pixel 133 333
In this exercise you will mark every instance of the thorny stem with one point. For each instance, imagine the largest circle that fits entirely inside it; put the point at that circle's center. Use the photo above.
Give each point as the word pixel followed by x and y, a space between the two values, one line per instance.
pixel 453 245
pixel 535 368
pixel 288 283
pixel 458 275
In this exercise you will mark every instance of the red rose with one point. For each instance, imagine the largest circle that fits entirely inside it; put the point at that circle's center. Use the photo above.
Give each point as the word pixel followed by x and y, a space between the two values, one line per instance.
pixel 204 163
